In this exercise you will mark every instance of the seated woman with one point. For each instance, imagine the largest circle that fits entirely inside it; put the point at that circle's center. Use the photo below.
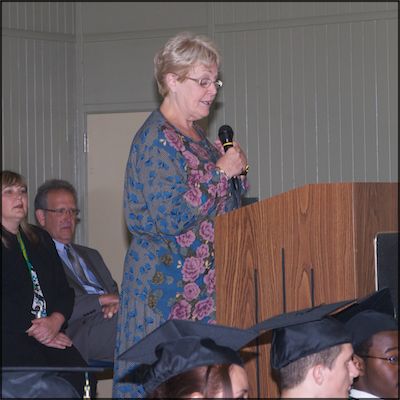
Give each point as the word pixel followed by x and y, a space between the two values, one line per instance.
pixel 36 298
pixel 191 359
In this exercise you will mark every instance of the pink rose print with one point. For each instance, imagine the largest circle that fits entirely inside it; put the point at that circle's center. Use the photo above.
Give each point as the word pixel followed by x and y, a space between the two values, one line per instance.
pixel 186 239
pixel 221 207
pixel 203 308
pixel 195 177
pixel 192 160
pixel 191 291
pixel 209 167
pixel 207 231
pixel 222 187
pixel 218 145
pixel 193 197
pixel 192 268
pixel 180 310
pixel 209 280
pixel 206 206
pixel 173 139
pixel 203 251
pixel 212 189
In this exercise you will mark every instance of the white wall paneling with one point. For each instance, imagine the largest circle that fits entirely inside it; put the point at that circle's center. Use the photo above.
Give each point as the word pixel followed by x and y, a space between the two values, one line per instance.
pixel 38 78
pixel 311 88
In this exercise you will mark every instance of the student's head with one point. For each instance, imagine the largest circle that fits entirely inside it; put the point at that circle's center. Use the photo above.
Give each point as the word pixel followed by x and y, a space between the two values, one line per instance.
pixel 211 381
pixel 311 353
pixel 374 332
pixel 56 209
pixel 376 353
pixel 328 373
pixel 187 359
pixel 313 359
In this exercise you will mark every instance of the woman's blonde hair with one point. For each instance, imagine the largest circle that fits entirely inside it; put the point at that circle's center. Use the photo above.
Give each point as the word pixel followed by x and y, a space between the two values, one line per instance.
pixel 181 53
pixel 10 178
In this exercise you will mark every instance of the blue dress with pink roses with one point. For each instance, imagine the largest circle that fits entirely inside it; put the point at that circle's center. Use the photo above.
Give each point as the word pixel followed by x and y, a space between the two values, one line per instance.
pixel 172 193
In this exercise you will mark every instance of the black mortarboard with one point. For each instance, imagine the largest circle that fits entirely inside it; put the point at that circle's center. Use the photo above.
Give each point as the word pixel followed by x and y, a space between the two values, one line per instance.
pixel 300 333
pixel 178 346
pixel 370 315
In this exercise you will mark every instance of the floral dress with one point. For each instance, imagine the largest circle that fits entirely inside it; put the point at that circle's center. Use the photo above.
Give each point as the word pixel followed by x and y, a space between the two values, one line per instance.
pixel 172 193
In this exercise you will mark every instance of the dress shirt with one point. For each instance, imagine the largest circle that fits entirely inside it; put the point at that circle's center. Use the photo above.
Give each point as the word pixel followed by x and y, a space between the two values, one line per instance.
pixel 359 394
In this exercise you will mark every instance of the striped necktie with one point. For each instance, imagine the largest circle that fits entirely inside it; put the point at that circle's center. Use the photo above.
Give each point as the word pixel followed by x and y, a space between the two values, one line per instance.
pixel 77 267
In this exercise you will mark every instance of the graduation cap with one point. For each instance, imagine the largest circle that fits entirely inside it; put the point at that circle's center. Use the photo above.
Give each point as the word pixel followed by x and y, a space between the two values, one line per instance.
pixel 177 346
pixel 300 333
pixel 371 314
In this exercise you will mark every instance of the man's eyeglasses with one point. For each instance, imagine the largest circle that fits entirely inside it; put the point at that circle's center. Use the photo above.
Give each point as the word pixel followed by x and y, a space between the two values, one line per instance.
pixel 206 82
pixel 393 360
pixel 62 211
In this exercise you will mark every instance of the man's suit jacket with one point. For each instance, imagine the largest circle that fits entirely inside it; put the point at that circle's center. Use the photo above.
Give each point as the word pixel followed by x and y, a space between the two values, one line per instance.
pixel 87 309
pixel 88 304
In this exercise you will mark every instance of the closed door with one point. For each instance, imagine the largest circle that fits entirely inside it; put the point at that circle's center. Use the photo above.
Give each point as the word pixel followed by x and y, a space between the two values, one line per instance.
pixel 109 140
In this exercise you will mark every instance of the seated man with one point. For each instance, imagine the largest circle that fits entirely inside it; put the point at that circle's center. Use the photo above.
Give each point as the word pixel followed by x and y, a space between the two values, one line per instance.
pixel 311 353
pixel 376 347
pixel 92 326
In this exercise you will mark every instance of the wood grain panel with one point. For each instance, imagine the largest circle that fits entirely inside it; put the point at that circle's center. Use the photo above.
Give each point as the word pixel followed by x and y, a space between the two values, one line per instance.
pixel 323 236
pixel 375 210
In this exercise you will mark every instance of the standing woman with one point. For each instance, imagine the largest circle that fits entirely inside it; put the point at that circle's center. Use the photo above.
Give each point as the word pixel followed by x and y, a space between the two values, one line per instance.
pixel 176 182
pixel 36 298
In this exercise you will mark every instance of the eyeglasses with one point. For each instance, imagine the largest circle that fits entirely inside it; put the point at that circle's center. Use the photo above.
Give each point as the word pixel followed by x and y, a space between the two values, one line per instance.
pixel 206 82
pixel 393 360
pixel 63 211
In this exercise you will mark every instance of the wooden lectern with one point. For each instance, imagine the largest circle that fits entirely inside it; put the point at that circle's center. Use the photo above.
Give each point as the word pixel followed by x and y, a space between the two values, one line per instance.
pixel 308 246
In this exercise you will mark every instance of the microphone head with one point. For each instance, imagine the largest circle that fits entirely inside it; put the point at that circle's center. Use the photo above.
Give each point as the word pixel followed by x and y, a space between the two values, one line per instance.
pixel 225 134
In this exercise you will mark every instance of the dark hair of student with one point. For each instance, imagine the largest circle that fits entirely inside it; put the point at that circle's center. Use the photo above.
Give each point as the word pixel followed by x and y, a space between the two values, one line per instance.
pixel 208 380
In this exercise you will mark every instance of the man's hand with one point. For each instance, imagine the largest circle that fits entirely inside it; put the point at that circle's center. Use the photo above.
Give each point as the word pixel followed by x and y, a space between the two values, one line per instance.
pixel 44 330
pixel 109 304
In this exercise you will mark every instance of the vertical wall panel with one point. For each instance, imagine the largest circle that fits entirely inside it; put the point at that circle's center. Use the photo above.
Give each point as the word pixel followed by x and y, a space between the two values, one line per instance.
pixel 321 102
pixel 250 144
pixel 358 101
pixel 392 64
pixel 297 37
pixel 286 89
pixel 275 101
pixel 382 100
pixel 370 128
pixel 261 175
pixel 333 100
pixel 310 102
pixel 346 112
pixel 35 115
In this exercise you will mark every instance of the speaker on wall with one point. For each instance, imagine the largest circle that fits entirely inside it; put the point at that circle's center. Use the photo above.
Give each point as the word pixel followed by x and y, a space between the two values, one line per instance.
pixel 387 264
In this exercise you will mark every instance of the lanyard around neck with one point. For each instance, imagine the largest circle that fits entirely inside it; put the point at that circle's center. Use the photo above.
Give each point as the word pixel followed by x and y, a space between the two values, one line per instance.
pixel 24 253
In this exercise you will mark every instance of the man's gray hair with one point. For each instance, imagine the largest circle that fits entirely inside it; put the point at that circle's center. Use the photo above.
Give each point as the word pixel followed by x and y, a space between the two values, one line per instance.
pixel 51 185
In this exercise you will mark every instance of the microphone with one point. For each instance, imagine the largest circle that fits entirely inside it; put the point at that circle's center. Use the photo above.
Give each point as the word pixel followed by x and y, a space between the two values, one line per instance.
pixel 225 135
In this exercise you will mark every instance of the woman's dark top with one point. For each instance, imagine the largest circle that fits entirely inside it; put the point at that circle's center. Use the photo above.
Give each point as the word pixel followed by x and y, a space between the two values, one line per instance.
pixel 19 349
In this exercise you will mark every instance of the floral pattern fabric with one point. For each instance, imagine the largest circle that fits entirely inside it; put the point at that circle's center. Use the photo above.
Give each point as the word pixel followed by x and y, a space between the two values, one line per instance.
pixel 172 193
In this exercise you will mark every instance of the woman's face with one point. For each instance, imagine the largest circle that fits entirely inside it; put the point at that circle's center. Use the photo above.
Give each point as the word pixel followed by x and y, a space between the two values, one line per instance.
pixel 193 100
pixel 14 204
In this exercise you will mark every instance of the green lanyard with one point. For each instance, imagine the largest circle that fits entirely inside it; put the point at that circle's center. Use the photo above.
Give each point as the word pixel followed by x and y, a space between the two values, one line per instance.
pixel 24 253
